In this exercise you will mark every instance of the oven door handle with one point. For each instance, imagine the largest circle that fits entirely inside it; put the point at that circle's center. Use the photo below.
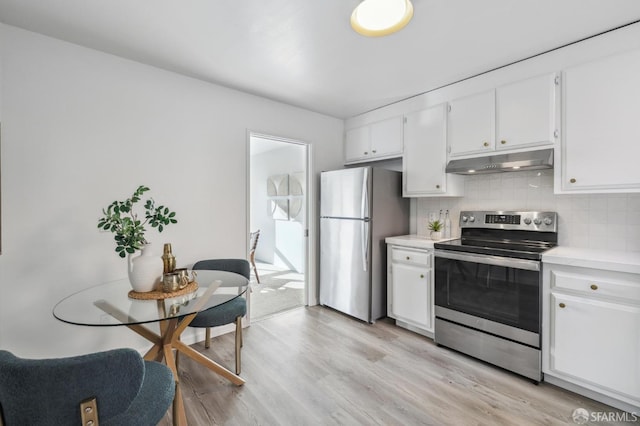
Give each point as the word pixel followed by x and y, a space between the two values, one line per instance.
pixel 507 262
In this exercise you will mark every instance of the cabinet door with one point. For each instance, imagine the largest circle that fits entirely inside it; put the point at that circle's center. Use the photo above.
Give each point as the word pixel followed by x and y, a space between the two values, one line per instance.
pixel 596 342
pixel 526 113
pixel 356 144
pixel 411 297
pixel 471 124
pixel 425 155
pixel 601 128
pixel 386 137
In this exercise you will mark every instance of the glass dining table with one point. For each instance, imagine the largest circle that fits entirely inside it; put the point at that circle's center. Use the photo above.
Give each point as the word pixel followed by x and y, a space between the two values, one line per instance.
pixel 110 304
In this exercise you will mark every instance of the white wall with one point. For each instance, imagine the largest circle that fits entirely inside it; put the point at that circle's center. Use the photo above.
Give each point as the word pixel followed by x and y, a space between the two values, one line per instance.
pixel 281 241
pixel 80 129
pixel 599 221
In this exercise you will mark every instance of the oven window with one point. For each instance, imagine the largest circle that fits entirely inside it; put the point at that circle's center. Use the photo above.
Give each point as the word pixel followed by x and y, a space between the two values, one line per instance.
pixel 505 295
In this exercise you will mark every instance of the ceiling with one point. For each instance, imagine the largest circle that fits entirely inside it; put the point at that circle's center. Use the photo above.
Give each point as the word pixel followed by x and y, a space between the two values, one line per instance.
pixel 304 53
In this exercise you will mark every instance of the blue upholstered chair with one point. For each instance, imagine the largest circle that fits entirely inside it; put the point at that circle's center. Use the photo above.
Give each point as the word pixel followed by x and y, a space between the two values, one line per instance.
pixel 229 312
pixel 115 387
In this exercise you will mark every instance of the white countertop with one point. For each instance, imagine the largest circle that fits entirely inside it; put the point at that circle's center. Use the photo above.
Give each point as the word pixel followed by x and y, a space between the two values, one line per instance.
pixel 415 241
pixel 590 258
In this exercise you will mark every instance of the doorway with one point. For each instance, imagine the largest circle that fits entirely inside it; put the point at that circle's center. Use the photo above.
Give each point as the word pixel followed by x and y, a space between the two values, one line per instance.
pixel 278 209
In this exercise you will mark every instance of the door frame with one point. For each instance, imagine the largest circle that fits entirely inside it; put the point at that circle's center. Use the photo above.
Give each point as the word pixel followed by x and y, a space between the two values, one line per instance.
pixel 310 230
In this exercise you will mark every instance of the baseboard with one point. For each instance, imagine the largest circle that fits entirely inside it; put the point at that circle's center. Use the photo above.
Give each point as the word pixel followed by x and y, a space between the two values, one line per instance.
pixel 620 405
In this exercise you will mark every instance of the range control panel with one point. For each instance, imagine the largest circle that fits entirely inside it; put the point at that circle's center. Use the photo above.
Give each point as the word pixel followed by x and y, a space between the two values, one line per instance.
pixel 527 221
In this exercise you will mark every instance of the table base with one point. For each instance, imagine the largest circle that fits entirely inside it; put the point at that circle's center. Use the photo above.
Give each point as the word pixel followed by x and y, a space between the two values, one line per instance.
pixel 162 351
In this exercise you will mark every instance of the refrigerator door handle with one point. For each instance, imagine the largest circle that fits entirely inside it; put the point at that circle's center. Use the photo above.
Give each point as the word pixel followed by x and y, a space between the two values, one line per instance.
pixel 365 244
pixel 364 208
pixel 365 219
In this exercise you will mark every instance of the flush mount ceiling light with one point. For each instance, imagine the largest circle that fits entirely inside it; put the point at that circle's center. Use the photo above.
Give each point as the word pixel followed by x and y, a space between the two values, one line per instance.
pixel 374 18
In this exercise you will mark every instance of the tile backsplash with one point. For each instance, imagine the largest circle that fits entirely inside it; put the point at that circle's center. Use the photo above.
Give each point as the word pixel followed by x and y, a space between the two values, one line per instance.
pixel 599 221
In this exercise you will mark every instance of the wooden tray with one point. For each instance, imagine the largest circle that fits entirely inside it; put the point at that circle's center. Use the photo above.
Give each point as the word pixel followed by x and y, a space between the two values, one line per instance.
pixel 159 294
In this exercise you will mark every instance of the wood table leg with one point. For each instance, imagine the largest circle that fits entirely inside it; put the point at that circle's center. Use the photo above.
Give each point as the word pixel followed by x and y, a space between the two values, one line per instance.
pixel 179 414
pixel 207 362
pixel 163 346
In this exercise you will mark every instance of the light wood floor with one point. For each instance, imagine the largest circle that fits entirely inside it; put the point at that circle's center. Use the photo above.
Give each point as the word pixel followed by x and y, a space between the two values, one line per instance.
pixel 314 366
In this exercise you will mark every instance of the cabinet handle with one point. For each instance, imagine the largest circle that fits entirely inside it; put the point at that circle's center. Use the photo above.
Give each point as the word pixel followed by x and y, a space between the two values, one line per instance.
pixel 562 305
pixel 408 258
pixel 572 180
pixel 503 142
pixel 594 287
pixel 366 153
pixel 437 186
pixel 421 275
pixel 373 151
pixel 485 144
pixel 556 133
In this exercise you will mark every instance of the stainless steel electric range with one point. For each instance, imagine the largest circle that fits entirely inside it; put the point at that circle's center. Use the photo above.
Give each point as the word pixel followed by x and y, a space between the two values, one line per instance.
pixel 488 287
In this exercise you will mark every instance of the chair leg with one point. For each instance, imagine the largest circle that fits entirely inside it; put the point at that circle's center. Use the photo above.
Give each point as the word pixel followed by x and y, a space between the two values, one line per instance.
pixel 207 338
pixel 255 271
pixel 238 343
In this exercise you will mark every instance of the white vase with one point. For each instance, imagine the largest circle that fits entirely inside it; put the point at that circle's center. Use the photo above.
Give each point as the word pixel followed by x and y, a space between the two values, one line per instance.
pixel 145 270
pixel 435 235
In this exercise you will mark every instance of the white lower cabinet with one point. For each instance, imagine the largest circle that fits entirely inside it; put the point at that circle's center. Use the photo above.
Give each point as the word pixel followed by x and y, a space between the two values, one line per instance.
pixel 410 288
pixel 592 330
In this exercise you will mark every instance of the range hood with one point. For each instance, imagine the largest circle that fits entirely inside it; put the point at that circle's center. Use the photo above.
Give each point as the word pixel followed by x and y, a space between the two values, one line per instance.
pixel 531 160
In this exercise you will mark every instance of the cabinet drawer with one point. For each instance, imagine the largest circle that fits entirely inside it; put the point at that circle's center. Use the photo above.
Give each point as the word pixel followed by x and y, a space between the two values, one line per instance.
pixel 406 255
pixel 597 285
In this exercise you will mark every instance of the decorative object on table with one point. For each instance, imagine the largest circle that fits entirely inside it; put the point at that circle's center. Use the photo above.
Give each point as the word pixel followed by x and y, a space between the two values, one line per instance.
pixel 120 218
pixel 160 294
pixel 144 270
pixel 177 280
pixel 172 281
pixel 183 275
pixel 168 259
pixel 435 226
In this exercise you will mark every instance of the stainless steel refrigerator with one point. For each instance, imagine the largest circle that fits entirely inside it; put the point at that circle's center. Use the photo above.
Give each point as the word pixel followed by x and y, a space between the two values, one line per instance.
pixel 359 208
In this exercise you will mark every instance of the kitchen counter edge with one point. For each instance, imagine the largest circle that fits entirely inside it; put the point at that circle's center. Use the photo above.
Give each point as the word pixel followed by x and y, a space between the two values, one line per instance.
pixel 413 241
pixel 619 261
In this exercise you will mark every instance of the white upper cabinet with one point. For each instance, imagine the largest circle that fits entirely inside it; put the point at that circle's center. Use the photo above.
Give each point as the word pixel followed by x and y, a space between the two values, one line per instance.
pixel 425 156
pixel 386 137
pixel 513 116
pixel 601 130
pixel 377 141
pixel 526 112
pixel 357 143
pixel 471 124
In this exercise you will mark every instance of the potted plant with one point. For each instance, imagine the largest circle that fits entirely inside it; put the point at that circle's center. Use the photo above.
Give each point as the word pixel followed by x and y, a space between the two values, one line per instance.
pixel 435 226
pixel 121 218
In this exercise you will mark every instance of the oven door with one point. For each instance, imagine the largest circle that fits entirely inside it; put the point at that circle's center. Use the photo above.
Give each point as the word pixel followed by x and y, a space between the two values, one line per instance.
pixel 504 291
